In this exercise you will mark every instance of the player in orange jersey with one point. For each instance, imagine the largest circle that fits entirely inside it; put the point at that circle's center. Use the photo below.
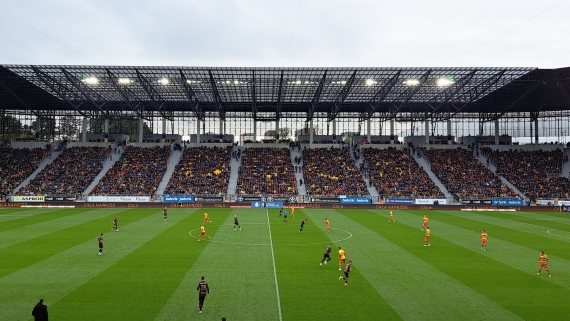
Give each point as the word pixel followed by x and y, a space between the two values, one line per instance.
pixel 543 260
pixel 425 223
pixel 327 225
pixel 391 219
pixel 206 217
pixel 341 258
pixel 484 238
pixel 426 238
pixel 293 212
pixel 203 232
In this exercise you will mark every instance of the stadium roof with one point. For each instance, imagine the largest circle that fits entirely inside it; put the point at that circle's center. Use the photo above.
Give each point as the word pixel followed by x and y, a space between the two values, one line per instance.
pixel 270 93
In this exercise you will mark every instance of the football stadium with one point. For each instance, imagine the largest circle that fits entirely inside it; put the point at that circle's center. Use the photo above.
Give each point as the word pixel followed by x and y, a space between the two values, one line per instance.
pixel 182 192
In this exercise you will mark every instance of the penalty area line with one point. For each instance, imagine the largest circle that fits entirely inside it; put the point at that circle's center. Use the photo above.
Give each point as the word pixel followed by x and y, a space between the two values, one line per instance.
pixel 274 267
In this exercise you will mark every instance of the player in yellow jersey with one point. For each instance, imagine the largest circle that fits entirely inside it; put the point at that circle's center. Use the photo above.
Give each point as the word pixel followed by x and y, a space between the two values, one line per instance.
pixel 292 212
pixel 327 225
pixel 425 223
pixel 543 259
pixel 206 217
pixel 341 258
pixel 426 238
pixel 203 233
pixel 484 238
pixel 391 219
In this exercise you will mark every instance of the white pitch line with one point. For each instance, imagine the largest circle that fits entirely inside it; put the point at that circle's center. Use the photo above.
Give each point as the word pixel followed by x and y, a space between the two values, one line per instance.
pixel 274 268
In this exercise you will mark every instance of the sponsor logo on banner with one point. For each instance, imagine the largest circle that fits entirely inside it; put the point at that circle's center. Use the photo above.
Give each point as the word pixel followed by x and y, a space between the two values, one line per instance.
pixel 507 202
pixel 486 202
pixel 207 199
pixel 265 199
pixel 28 198
pixel 429 201
pixel 60 199
pixel 356 200
pixel 266 204
pixel 325 200
pixel 178 199
pixel 552 202
pixel 134 199
pixel 399 201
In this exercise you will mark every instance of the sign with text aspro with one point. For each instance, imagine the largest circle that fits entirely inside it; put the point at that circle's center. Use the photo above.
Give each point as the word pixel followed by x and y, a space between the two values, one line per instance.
pixel 28 198
pixel 133 199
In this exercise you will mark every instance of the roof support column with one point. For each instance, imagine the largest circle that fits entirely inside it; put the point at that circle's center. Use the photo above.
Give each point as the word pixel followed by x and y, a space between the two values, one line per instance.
pixel 427 131
pixel 311 133
pixel 536 131
pixel 496 132
pixel 334 127
pixel 449 138
pixel 84 130
pixel 392 138
pixel 277 130
pixel 141 126
pixel 38 121
pixel 254 130
pixel 198 130
pixel 106 130
pixel 368 130
pixel 164 126
pixel 222 126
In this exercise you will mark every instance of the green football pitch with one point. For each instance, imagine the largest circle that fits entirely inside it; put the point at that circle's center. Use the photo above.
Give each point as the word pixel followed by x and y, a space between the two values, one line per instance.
pixel 149 270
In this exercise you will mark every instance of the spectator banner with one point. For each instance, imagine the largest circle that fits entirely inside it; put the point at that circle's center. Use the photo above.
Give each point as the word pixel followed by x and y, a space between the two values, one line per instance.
pixel 266 204
pixel 359 200
pixel 178 199
pixel 430 201
pixel 60 199
pixel 28 198
pixel 487 202
pixel 507 203
pixel 325 200
pixel 566 208
pixel 208 199
pixel 399 201
pixel 556 202
pixel 263 198
pixel 134 199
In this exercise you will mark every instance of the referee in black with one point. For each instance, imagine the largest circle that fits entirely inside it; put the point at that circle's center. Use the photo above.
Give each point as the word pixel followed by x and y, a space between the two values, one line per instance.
pixel 203 291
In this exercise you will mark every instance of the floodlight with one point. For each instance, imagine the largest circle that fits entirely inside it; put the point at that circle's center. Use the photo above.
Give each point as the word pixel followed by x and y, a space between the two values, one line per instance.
pixel 124 81
pixel 236 82
pixel 91 80
pixel 442 82
pixel 370 82
pixel 412 82
pixel 298 82
pixel 343 82
pixel 164 81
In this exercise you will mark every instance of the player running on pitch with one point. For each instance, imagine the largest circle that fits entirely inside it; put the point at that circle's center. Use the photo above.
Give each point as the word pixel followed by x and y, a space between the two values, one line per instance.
pixel 426 238
pixel 327 255
pixel 484 238
pixel 327 225
pixel 203 233
pixel 426 220
pixel 165 212
pixel 115 225
pixel 206 217
pixel 347 269
pixel 285 216
pixel 391 219
pixel 236 223
pixel 303 222
pixel 341 258
pixel 100 240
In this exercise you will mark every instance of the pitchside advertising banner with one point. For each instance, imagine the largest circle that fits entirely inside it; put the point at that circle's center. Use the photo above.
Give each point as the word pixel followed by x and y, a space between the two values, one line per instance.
pixel 430 201
pixel 400 201
pixel 476 202
pixel 267 204
pixel 133 199
pixel 359 200
pixel 324 200
pixel 28 199
pixel 554 202
pixel 178 199
pixel 507 202
pixel 50 198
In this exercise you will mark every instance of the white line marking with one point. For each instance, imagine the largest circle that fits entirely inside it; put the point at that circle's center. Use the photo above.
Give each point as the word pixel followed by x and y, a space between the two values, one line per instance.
pixel 564 237
pixel 274 268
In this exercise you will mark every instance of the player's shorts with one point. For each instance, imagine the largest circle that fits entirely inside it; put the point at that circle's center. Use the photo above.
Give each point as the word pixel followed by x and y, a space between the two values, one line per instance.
pixel 202 233
pixel 346 274
pixel 341 260
pixel 484 241
pixel 328 226
pixel 425 224
pixel 326 255
pixel 201 298
pixel 544 265
pixel 100 245
pixel 236 223
pixel 426 238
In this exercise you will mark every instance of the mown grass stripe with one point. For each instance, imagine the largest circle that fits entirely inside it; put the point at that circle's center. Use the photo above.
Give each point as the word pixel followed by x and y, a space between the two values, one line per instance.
pixel 391 256
pixel 60 274
pixel 456 252
pixel 17 218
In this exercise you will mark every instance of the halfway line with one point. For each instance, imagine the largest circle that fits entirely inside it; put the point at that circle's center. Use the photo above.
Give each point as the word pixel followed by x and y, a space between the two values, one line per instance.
pixel 274 268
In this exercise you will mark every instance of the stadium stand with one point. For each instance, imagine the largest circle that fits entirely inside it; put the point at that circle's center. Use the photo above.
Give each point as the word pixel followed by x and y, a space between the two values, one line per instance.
pixel 529 171
pixel 332 172
pixel 17 164
pixel 201 170
pixel 395 173
pixel 266 171
pixel 464 176
pixel 137 172
pixel 70 173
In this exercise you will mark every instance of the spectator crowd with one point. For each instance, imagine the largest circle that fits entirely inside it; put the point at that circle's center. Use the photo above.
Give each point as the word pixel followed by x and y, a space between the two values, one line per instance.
pixel 266 171
pixel 16 165
pixel 464 176
pixel 201 170
pixel 395 173
pixel 137 172
pixel 70 173
pixel 332 172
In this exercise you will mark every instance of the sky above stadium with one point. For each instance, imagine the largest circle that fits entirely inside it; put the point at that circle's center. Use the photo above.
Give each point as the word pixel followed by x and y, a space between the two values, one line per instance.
pixel 291 33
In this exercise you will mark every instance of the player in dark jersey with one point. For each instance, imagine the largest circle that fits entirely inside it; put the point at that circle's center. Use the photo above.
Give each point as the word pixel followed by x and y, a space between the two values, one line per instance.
pixel 303 222
pixel 100 240
pixel 236 223
pixel 115 226
pixel 327 255
pixel 165 212
pixel 281 211
pixel 347 269
pixel 203 291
